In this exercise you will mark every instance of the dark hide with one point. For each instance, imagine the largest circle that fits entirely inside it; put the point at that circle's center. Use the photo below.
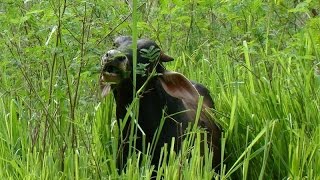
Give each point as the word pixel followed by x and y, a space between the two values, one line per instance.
pixel 166 93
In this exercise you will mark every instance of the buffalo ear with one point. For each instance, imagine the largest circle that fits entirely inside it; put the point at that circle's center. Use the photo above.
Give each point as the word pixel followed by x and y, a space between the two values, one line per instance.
pixel 165 58
pixel 178 86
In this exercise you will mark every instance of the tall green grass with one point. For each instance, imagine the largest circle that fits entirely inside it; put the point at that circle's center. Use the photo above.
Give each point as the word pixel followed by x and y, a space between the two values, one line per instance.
pixel 259 59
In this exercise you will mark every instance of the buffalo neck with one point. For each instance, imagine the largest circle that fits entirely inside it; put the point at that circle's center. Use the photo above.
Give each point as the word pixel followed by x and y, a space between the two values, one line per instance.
pixel 123 94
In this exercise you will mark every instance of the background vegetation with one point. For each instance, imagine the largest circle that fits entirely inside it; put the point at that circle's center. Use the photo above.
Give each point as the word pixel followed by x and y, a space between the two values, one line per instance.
pixel 260 59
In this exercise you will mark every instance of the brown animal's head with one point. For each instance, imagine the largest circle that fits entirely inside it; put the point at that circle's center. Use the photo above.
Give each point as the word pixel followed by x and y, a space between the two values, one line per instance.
pixel 117 65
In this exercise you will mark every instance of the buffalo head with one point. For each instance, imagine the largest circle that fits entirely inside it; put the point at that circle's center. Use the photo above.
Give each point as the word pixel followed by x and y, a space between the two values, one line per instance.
pixel 117 67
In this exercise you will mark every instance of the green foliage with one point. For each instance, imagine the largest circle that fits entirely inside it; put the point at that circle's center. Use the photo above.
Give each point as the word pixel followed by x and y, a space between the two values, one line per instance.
pixel 259 59
pixel 152 54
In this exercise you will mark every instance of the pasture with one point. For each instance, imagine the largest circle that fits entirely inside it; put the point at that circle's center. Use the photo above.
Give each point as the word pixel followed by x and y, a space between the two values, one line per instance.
pixel 260 60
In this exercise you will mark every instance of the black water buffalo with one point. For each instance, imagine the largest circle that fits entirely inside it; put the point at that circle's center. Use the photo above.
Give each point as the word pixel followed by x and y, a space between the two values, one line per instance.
pixel 163 94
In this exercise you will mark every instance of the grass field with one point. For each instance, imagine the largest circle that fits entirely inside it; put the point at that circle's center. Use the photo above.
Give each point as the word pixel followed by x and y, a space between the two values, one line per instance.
pixel 260 60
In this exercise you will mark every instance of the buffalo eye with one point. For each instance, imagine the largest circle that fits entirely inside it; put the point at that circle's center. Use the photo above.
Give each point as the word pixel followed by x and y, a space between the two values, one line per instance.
pixel 121 58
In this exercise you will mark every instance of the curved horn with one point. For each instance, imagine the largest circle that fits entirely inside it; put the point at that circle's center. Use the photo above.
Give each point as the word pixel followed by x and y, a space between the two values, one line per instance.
pixel 165 58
